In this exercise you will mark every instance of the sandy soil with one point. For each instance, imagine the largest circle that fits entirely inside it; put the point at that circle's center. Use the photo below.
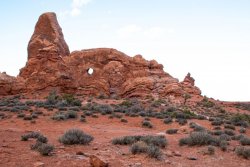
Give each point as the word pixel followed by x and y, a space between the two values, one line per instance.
pixel 17 153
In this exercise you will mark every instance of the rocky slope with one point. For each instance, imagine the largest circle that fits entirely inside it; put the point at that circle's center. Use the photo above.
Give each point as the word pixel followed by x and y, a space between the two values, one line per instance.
pixel 51 66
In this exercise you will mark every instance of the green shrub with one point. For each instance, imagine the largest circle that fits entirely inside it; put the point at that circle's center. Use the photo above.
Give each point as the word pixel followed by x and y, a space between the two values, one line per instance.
pixel 182 121
pixel 159 141
pixel 168 120
pixel 210 150
pixel 199 138
pixel 139 147
pixel 171 131
pixel 245 141
pixel 243 151
pixel 34 135
pixel 147 124
pixel 229 132
pixel 223 145
pixel 45 149
pixel 75 136
pixel 154 152
pixel 242 130
pixel 229 127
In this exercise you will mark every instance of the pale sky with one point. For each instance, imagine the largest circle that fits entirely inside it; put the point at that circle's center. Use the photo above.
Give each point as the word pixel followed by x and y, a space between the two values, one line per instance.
pixel 208 38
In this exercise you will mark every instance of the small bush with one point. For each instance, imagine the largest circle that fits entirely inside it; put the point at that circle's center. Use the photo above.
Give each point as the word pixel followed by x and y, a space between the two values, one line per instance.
pixel 216 122
pixel 171 131
pixel 217 132
pixel 229 127
pixel 245 141
pixel 71 114
pixel 159 141
pixel 168 120
pixel 225 137
pixel 198 138
pixel 75 136
pixel 34 135
pixel 147 124
pixel 124 120
pixel 242 130
pixel 243 151
pixel 210 150
pixel 229 132
pixel 45 149
pixel 59 117
pixel 182 121
pixel 139 147
pixel 27 117
pixel 154 152
pixel 223 145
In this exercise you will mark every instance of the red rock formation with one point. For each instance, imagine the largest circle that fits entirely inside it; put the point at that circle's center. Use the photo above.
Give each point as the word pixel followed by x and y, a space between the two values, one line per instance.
pixel 51 66
pixel 47 39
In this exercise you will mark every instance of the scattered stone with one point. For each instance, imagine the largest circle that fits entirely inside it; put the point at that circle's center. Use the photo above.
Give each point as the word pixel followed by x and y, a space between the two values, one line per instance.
pixel 39 164
pixel 177 153
pixel 97 162
pixel 192 158
pixel 79 153
pixel 169 153
pixel 95 148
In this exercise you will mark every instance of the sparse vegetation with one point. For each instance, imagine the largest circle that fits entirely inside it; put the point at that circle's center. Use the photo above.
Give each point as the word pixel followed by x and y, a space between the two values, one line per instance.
pixel 75 136
pixel 243 151
pixel 171 131
pixel 147 124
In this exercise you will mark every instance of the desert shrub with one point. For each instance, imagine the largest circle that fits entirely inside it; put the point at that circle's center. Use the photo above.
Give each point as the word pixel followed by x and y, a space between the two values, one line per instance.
pixel 94 116
pixel 181 121
pixel 52 98
pixel 171 131
pixel 27 117
pixel 42 139
pixel 217 128
pixel 75 136
pixel 34 135
pixel 225 137
pixel 241 120
pixel 245 141
pixel 217 122
pixel 210 150
pixel 242 130
pixel 223 145
pixel 139 147
pixel 199 138
pixel 34 116
pixel 45 149
pixel 146 119
pixel 154 152
pixel 159 141
pixel 104 108
pixel 71 100
pixel 59 116
pixel 124 120
pixel 71 114
pixel 243 151
pixel 20 115
pixel 217 132
pixel 229 132
pixel 147 124
pixel 168 120
pixel 201 117
pixel 206 102
pixel 229 127
pixel 237 137
pixel 83 119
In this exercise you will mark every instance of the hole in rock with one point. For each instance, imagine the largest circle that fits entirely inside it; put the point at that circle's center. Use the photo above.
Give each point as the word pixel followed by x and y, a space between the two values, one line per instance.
pixel 90 71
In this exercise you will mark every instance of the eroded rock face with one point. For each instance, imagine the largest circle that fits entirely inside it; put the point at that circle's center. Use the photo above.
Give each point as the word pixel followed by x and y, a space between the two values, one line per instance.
pixel 47 39
pixel 115 74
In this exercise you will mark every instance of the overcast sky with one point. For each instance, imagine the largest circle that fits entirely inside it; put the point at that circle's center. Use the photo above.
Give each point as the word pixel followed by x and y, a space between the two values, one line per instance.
pixel 208 38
